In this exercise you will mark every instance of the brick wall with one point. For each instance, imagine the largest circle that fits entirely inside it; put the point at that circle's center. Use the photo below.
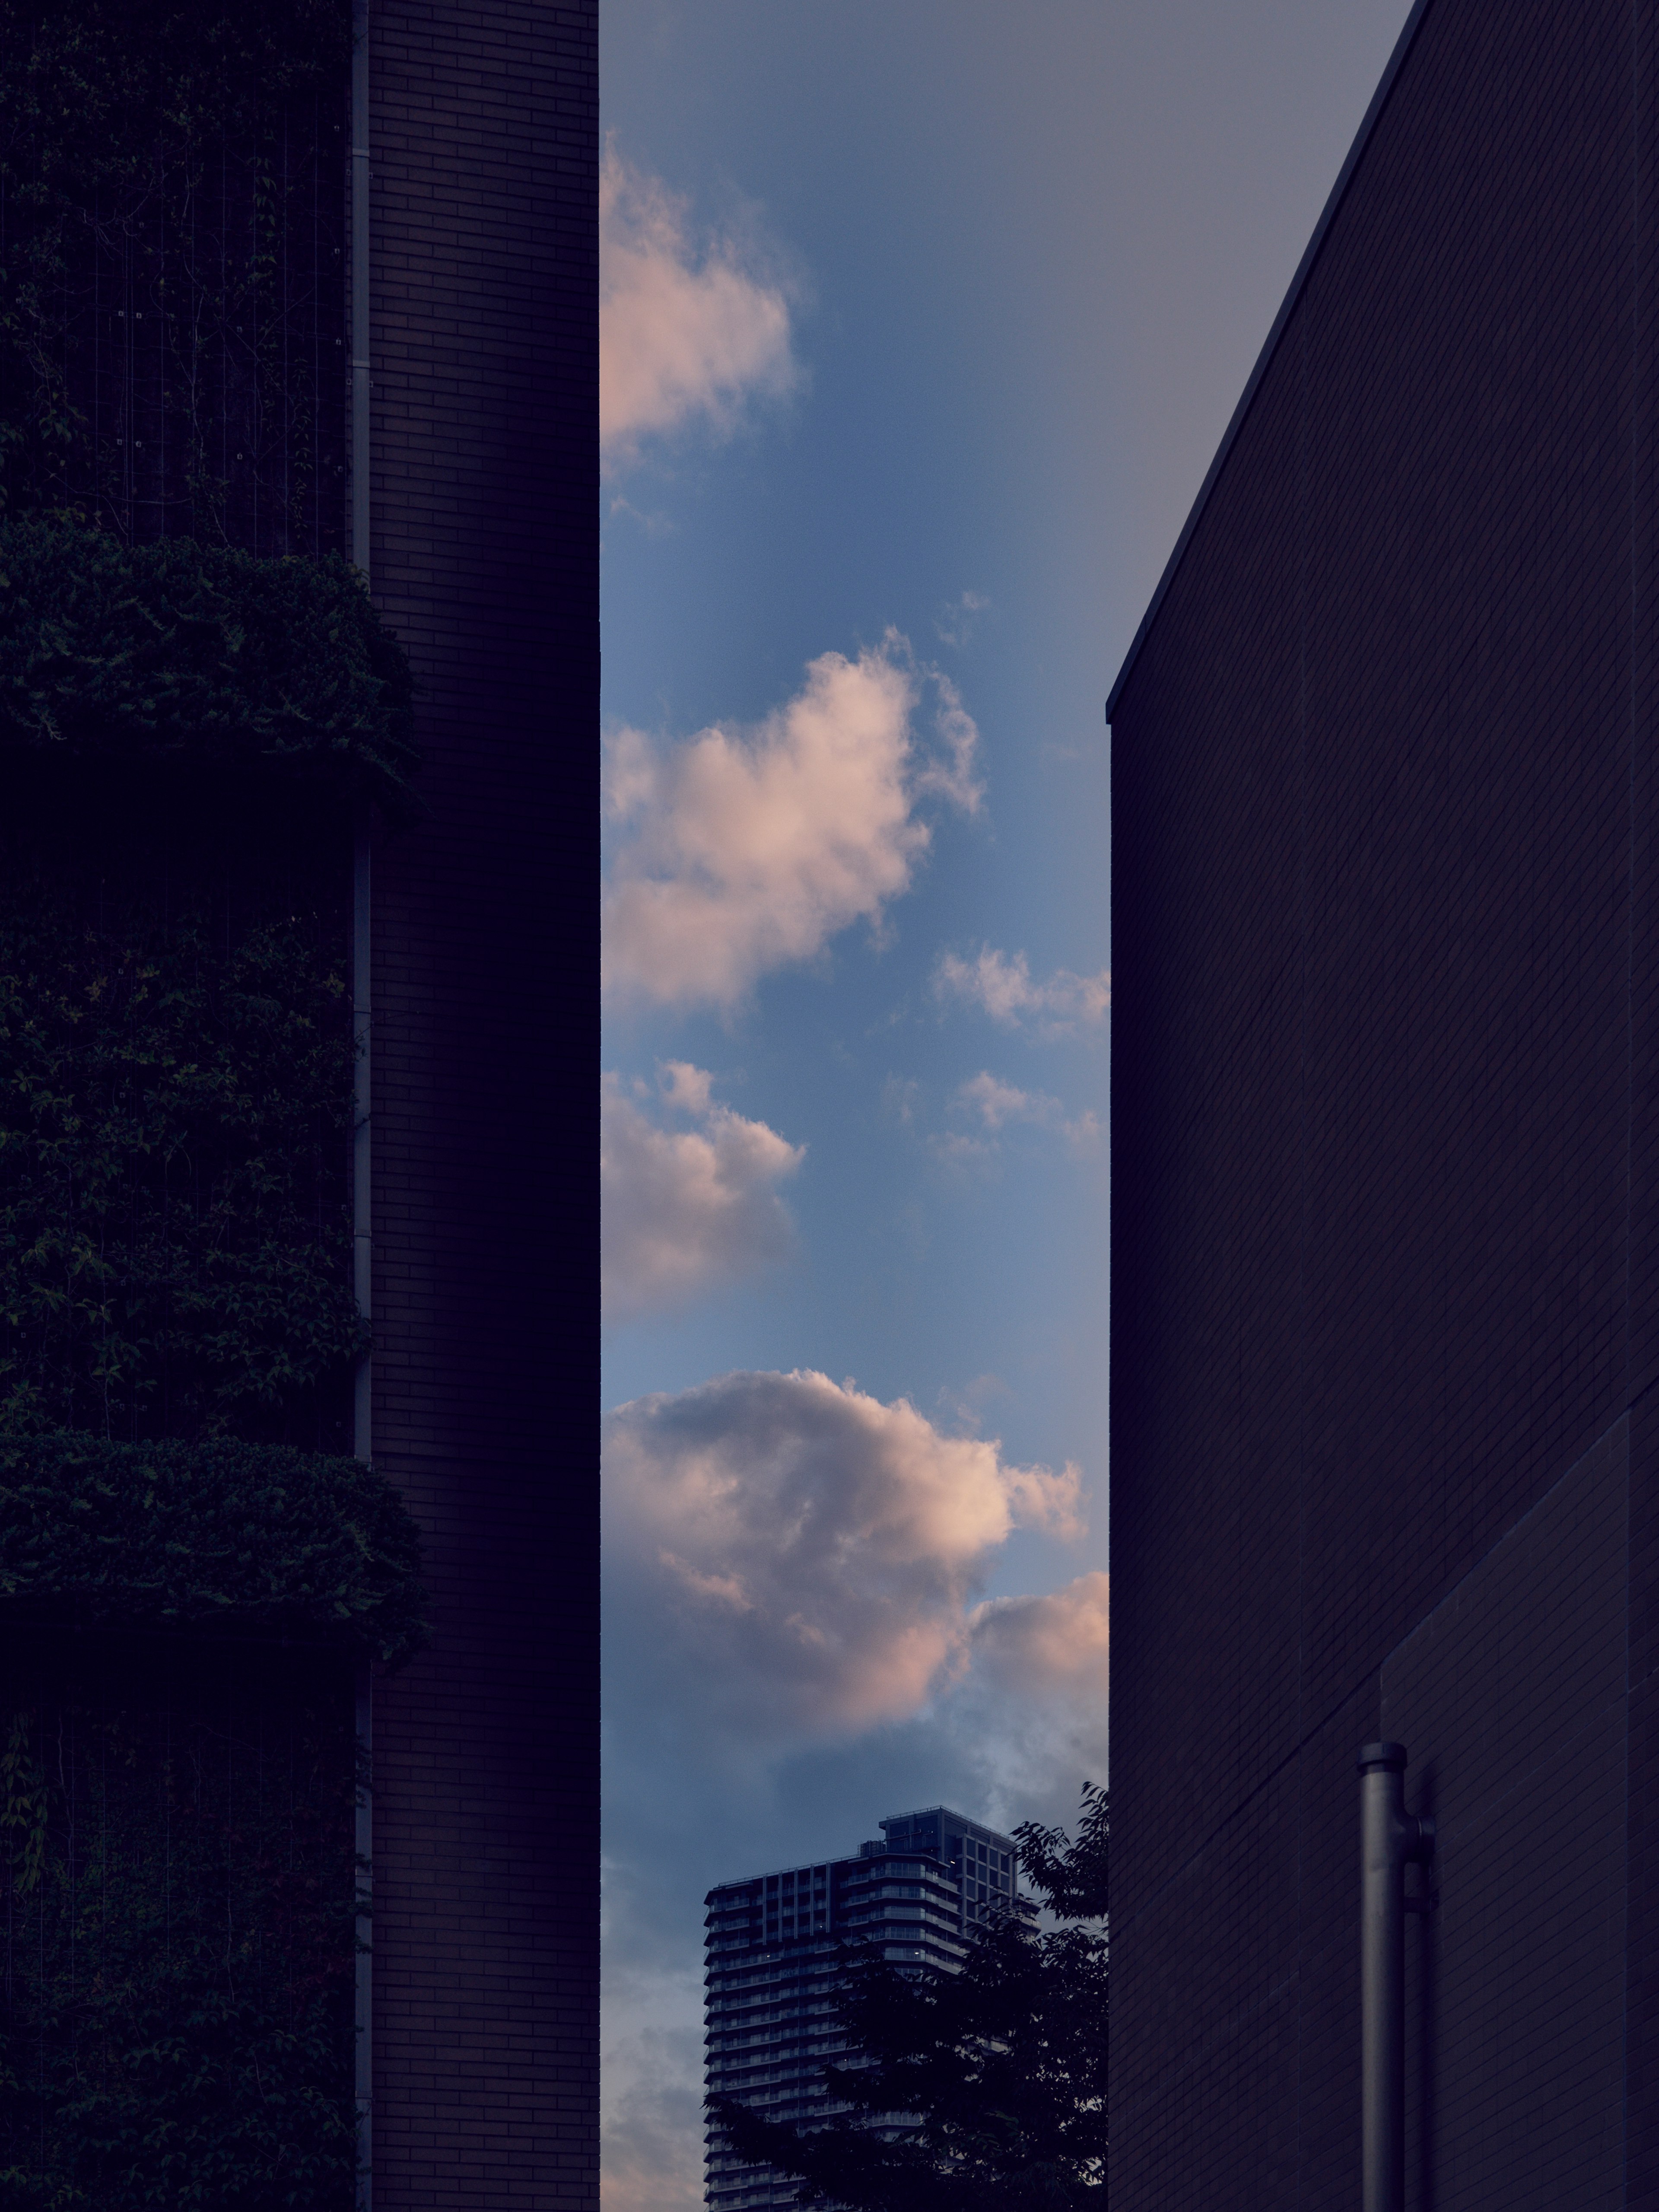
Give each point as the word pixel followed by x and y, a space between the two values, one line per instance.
pixel 484 473
pixel 1384 1110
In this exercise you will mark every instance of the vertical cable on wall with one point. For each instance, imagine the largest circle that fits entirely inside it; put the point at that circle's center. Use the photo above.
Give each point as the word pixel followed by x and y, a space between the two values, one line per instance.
pixel 1390 1839
pixel 363 1222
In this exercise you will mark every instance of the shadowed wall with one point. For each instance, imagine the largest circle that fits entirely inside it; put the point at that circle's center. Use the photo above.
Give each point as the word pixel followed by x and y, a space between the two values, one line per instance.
pixel 484 152
pixel 1384 1154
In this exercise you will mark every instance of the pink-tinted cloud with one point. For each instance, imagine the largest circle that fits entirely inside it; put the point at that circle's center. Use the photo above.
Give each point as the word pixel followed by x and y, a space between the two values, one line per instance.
pixel 807 1554
pixel 740 853
pixel 1031 1711
pixel 1035 1647
pixel 684 335
pixel 997 1105
pixel 1002 986
pixel 791 1562
pixel 685 1207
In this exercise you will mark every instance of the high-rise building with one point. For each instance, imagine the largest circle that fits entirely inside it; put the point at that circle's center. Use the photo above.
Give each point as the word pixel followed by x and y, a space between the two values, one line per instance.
pixel 772 1966
pixel 1385 1131
pixel 337 297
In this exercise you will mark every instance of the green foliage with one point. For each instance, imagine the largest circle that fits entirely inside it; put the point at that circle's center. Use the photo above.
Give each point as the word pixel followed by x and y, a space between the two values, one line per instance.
pixel 174 1115
pixel 1071 1878
pixel 201 659
pixel 111 115
pixel 978 2092
pixel 185 729
pixel 175 1929
pixel 221 1535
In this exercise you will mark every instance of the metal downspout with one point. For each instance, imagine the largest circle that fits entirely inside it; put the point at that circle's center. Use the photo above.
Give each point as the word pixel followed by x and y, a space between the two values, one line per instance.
pixel 363 1219
pixel 1390 1839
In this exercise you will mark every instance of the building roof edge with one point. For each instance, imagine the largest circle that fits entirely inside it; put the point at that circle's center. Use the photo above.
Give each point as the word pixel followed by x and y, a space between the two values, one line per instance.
pixel 1304 269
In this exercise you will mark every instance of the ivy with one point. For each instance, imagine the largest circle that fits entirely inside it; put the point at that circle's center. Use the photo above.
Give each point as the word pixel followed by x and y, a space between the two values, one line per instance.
pixel 186 730
pixel 234 1538
pixel 147 149
pixel 174 1118
pixel 199 660
pixel 176 1935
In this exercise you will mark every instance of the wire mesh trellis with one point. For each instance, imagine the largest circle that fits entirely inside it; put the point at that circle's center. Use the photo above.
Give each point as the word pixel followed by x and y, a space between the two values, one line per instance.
pixel 175 270
pixel 177 1938
pixel 176 1075
pixel 175 1935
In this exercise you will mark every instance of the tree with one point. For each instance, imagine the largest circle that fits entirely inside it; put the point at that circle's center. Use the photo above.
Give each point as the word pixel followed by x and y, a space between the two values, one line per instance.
pixel 969 2091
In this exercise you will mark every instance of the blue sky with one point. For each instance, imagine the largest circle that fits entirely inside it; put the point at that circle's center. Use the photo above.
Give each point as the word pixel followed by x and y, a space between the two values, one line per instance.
pixel 923 321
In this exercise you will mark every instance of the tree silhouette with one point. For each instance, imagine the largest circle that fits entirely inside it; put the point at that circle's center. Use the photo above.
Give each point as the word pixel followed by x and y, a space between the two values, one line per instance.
pixel 964 2091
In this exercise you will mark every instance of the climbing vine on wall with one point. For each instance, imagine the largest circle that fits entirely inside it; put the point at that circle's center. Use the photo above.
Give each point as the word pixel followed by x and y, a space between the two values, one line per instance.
pixel 203 662
pixel 197 699
pixel 171 219
pixel 175 1932
pixel 226 1538
pixel 175 1113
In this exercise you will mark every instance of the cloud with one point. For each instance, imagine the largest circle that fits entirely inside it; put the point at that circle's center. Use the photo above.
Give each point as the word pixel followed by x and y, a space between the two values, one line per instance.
pixel 999 1104
pixel 743 852
pixel 951 1148
pixel 967 1405
pixel 683 337
pixel 955 623
pixel 900 1095
pixel 806 1555
pixel 650 2086
pixel 1011 1740
pixel 1031 1712
pixel 685 1208
pixel 1002 986
pixel 1032 1647
pixel 795 1645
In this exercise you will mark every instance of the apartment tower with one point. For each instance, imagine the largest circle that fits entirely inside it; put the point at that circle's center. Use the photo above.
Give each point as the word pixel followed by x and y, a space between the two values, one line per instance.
pixel 772 1967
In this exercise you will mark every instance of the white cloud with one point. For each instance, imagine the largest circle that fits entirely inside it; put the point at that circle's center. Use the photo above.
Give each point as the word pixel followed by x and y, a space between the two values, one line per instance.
pixel 804 1555
pixel 1002 986
pixel 966 1154
pixel 1031 1712
pixel 741 852
pixel 650 2088
pixel 955 623
pixel 967 1405
pixel 1034 1647
pixel 900 1095
pixel 954 778
pixel 684 1208
pixel 999 1104
pixel 682 337
pixel 794 1649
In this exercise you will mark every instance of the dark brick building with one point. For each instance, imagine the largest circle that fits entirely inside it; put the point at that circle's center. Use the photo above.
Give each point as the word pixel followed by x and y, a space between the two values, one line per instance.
pixel 1385 1432
pixel 484 467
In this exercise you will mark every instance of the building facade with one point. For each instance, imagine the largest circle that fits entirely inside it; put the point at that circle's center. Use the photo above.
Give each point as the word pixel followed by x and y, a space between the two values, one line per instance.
pixel 1385 1323
pixel 334 292
pixel 772 1967
pixel 482 468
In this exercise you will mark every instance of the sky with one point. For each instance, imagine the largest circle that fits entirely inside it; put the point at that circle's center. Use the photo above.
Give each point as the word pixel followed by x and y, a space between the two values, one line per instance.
pixel 921 322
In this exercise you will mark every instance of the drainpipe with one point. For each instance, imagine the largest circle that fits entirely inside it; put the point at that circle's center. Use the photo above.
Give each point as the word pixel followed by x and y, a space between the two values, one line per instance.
pixel 363 1219
pixel 1390 1838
